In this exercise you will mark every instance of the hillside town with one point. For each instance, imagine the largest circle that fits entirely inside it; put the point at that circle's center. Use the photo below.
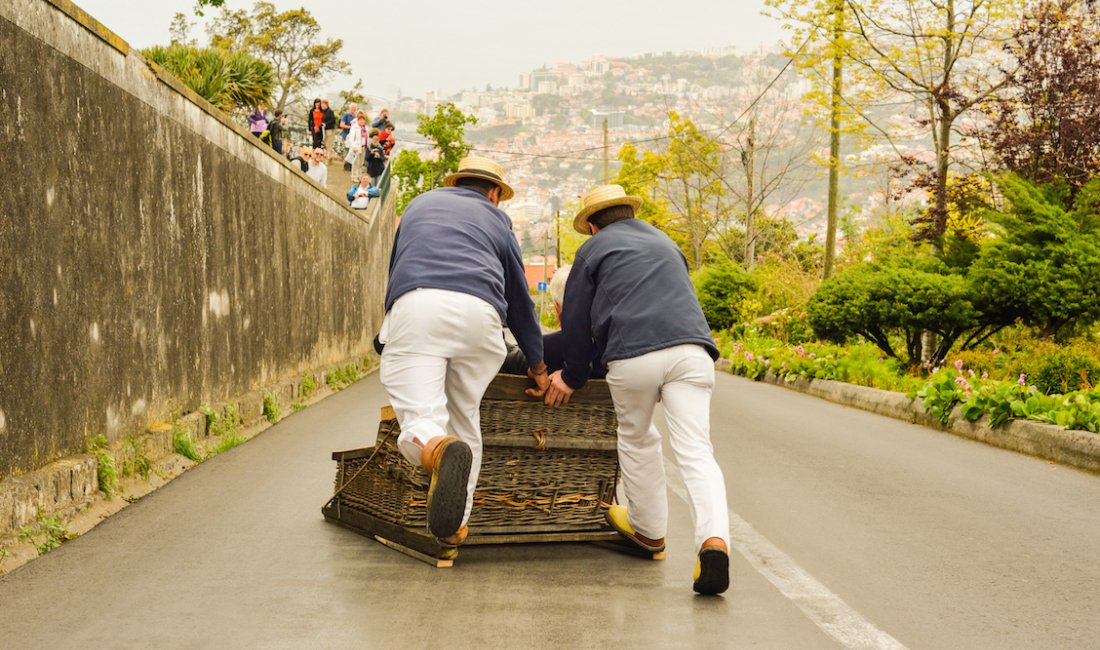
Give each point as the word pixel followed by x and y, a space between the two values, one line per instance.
pixel 550 127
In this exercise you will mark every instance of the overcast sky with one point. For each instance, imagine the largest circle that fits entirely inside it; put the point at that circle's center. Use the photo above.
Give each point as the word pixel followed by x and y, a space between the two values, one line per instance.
pixel 421 45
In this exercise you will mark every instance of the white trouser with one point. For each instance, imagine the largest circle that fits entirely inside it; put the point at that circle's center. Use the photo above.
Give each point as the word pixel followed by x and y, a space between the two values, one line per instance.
pixel 682 377
pixel 442 350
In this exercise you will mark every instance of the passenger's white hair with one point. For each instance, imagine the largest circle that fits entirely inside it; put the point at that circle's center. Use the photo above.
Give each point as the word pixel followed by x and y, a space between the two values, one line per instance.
pixel 557 284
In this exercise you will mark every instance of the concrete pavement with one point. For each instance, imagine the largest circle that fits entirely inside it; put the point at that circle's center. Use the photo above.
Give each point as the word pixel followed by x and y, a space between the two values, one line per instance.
pixel 849 529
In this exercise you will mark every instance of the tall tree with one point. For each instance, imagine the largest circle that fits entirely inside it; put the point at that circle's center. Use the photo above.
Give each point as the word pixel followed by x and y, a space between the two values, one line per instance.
pixel 353 95
pixel 179 30
pixel 290 41
pixel 682 186
pixel 822 28
pixel 771 147
pixel 1045 127
pixel 938 53
pixel 446 129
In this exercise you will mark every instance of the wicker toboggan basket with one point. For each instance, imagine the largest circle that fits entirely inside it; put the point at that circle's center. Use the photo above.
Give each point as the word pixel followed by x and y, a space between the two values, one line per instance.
pixel 546 474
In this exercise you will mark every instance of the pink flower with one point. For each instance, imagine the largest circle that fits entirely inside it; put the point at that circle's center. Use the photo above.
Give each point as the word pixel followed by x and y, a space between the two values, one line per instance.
pixel 801 351
pixel 985 375
pixel 962 383
pixel 958 364
pixel 1022 380
pixel 748 356
pixel 813 356
pixel 996 351
pixel 971 371
pixel 767 362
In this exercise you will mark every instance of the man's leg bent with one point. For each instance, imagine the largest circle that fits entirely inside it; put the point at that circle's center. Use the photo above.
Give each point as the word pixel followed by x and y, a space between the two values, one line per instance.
pixel 467 379
pixel 641 461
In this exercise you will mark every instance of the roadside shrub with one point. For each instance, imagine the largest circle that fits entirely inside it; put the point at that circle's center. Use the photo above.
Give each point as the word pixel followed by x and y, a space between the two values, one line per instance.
pixel 1066 370
pixel 720 288
pixel 885 303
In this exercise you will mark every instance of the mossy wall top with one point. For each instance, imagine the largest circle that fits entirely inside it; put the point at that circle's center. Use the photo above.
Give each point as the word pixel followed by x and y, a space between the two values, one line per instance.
pixel 153 255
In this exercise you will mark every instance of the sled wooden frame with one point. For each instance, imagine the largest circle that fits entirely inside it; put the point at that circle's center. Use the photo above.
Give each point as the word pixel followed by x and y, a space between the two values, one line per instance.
pixel 416 542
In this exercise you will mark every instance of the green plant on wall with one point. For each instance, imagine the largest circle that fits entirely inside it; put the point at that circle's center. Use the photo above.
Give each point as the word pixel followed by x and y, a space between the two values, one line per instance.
pixel 105 464
pixel 183 444
pixel 225 425
pixel 136 459
pixel 46 534
pixel 273 411
pixel 309 384
pixel 220 423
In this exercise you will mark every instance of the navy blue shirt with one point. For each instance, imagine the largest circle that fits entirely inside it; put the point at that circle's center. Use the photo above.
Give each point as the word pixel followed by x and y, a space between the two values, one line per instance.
pixel 454 238
pixel 629 293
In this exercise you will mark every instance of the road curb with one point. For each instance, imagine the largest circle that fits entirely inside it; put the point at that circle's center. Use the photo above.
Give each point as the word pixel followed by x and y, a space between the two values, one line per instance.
pixel 1080 449
pixel 69 485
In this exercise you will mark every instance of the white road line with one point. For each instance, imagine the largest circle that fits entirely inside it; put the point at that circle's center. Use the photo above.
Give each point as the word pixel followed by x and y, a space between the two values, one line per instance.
pixel 827 610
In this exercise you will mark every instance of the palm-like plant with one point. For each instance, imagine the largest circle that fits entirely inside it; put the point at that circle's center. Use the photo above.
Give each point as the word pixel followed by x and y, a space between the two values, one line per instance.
pixel 228 80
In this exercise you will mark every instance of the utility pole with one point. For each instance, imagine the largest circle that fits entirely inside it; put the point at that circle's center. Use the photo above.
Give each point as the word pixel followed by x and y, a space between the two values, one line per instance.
pixel 545 272
pixel 557 235
pixel 606 162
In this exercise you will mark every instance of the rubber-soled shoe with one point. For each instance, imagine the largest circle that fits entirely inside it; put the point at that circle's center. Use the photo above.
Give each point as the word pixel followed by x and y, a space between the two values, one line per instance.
pixel 449 460
pixel 712 568
pixel 616 516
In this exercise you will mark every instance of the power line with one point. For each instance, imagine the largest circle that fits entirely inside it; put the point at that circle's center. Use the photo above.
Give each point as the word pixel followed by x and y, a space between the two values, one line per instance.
pixel 512 153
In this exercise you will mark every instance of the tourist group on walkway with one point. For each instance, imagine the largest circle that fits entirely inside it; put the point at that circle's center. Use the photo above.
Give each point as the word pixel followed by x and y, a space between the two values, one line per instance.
pixel 364 144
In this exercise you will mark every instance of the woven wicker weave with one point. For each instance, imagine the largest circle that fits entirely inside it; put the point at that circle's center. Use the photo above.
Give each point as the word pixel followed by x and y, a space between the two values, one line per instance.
pixel 542 470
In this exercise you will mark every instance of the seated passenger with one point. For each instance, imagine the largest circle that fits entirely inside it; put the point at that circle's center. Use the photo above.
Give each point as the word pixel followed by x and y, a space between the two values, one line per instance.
pixel 552 351
pixel 359 195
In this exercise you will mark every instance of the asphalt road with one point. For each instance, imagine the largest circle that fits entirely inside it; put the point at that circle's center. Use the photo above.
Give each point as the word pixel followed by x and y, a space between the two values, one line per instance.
pixel 849 529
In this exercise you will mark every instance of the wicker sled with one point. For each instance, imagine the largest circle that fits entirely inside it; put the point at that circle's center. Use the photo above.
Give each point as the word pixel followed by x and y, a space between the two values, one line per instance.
pixel 547 475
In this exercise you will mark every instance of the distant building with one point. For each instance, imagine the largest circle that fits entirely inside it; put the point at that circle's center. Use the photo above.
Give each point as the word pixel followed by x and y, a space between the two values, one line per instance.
pixel 538 270
pixel 599 66
pixel 614 117
pixel 547 88
pixel 518 111
pixel 539 76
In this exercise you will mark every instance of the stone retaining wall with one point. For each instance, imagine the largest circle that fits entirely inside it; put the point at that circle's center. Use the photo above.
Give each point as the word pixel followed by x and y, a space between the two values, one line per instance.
pixel 153 255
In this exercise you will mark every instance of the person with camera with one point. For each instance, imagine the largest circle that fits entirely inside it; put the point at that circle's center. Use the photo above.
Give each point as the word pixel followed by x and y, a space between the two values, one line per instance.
pixel 376 158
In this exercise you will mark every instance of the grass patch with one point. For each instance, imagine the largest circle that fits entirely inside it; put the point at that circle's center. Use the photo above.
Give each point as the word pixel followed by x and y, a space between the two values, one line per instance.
pixel 219 423
pixel 184 445
pixel 46 534
pixel 296 406
pixel 105 464
pixel 309 384
pixel 225 425
pixel 339 378
pixel 135 458
pixel 273 411
pixel 225 443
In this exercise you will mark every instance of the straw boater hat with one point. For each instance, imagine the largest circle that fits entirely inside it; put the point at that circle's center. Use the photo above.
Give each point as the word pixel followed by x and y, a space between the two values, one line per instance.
pixel 604 196
pixel 478 167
